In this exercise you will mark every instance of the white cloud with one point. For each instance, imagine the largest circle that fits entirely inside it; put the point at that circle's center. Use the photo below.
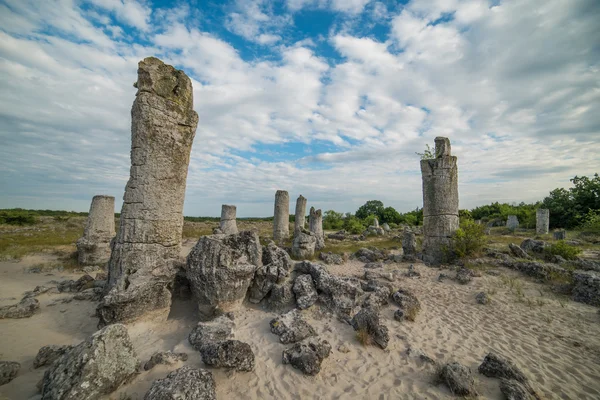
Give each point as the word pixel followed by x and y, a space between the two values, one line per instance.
pixel 131 12
pixel 255 21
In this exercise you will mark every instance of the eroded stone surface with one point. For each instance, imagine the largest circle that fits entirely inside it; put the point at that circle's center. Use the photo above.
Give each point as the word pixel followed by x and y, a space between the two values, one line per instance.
pixel 512 222
pixel 165 358
pixel 8 371
pixel 276 265
pixel 459 379
pixel 93 248
pixel 300 216
pixel 228 354
pixel 23 309
pixel 304 245
pixel 291 327
pixel 148 244
pixel 182 384
pixel 228 223
pixel 304 289
pixel 281 217
pixel 216 330
pixel 48 354
pixel 367 320
pixel 542 221
pixel 315 222
pixel 307 355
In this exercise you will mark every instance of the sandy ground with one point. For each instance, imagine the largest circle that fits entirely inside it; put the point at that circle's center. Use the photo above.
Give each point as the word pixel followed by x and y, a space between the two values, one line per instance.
pixel 556 343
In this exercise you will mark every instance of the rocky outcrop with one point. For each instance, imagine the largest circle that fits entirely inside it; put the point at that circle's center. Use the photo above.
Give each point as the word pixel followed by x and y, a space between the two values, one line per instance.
pixel 291 327
pixel 281 297
pixel 275 269
pixel 513 390
pixel 220 269
pixel 535 246
pixel 228 354
pixel 315 223
pixel 8 371
pixel 440 202
pixel 518 251
pixel 514 380
pixel 304 289
pixel 228 225
pixel 464 276
pixel 217 330
pixel 164 358
pixel 367 322
pixel 331 258
pixel 304 245
pixel 48 354
pixel 184 383
pixel 147 247
pixel 93 248
pixel 281 219
pixel 23 309
pixel 92 369
pixel 458 378
pixel 307 355
pixel 408 303
pixel 587 287
pixel 370 255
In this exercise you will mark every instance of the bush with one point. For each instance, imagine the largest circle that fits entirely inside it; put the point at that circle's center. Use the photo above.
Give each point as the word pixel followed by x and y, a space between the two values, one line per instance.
pixel 469 239
pixel 564 250
pixel 17 218
pixel 333 220
pixel 370 220
pixel 591 222
pixel 354 225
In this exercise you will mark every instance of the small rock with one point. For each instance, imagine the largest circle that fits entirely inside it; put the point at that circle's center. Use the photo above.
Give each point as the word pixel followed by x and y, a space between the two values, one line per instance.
pixel 307 355
pixel 412 272
pixel 518 251
pixel 408 303
pixel 23 309
pixel 48 354
pixel 184 383
pixel 367 320
pixel 372 274
pixel 228 354
pixel 331 258
pixel 304 289
pixel 483 298
pixel 219 329
pixel 373 265
pixel 536 246
pixel 442 276
pixel 514 390
pixel 399 315
pixel 166 358
pixel 458 378
pixel 496 366
pixel 8 371
pixel 464 276
pixel 291 327
pixel 343 348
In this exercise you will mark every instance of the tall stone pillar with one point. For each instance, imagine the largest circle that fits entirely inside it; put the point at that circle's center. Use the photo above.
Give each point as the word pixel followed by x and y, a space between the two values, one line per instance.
pixel 440 201
pixel 299 219
pixel 93 248
pixel 315 225
pixel 542 221
pixel 228 224
pixel 512 222
pixel 281 216
pixel 144 253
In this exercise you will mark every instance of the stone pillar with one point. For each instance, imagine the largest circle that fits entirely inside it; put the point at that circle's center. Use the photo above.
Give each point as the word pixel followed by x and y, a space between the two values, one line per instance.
pixel 299 220
pixel 409 245
pixel 512 222
pixel 559 235
pixel 228 224
pixel 93 248
pixel 146 250
pixel 440 202
pixel 375 222
pixel 315 225
pixel 542 221
pixel 281 217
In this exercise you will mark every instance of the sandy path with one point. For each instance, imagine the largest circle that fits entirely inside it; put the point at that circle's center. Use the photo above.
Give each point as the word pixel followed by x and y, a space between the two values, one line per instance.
pixel 557 346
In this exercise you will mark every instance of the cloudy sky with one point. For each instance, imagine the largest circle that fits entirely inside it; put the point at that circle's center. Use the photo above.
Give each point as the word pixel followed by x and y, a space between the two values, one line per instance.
pixel 326 98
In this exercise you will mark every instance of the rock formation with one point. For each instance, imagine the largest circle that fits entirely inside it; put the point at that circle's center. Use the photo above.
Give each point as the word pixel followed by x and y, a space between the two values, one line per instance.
pixel 142 261
pixel 559 235
pixel 228 225
pixel 512 222
pixel 300 216
pixel 440 201
pixel 93 248
pixel 281 217
pixel 220 269
pixel 409 245
pixel 542 221
pixel 315 224
pixel 304 244
pixel 184 383
pixel 8 371
pixel 276 265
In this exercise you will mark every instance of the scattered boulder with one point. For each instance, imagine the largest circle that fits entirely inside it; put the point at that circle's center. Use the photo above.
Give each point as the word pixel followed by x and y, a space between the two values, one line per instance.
pixel 518 251
pixel 539 270
pixel 535 246
pixel 464 276
pixel 304 289
pixel 496 366
pixel 412 272
pixel 184 383
pixel 220 269
pixel 377 298
pixel 408 303
pixel 442 276
pixel 331 258
pixel 386 227
pixel 399 315
pixel 303 246
pixel 91 294
pixel 8 371
pixel 587 287
pixel 94 368
pixel 369 255
pixel 165 358
pixel 281 297
pixel 373 265
pixel 420 354
pixel 276 264
pixel 307 355
pixel 48 354
pixel 340 235
pixel 40 290
pixel 375 274
pixel 217 330
pixel 483 298
pixel 366 322
pixel 83 283
pixel 228 354
pixel 515 390
pixel 23 309
pixel 458 378
pixel 409 245
pixel 291 327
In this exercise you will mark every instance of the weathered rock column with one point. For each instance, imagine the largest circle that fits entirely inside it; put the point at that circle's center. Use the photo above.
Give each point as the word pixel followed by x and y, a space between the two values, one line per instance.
pixel 542 221
pixel 228 224
pixel 512 222
pixel 300 217
pixel 281 216
pixel 315 225
pixel 142 263
pixel 93 248
pixel 440 201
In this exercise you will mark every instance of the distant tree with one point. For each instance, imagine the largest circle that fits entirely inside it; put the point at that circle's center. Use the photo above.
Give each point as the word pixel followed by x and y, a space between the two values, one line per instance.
pixel 371 207
pixel 333 220
pixel 391 216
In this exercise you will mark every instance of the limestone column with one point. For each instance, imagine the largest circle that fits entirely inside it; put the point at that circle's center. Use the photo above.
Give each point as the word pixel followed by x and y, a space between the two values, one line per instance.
pixel 315 224
pixel 93 248
pixel 512 222
pixel 300 216
pixel 440 201
pixel 146 249
pixel 281 216
pixel 228 224
pixel 542 221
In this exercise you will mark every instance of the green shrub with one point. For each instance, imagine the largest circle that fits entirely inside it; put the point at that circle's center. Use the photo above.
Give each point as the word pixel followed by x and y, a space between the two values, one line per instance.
pixel 591 222
pixel 564 250
pixel 469 239
pixel 354 225
pixel 17 218
pixel 370 220
pixel 333 220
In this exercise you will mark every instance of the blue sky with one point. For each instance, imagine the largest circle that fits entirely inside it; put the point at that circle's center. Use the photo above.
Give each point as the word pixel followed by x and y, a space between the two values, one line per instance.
pixel 325 98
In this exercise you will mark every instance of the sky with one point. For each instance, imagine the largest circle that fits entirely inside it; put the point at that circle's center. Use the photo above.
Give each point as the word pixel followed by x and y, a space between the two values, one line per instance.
pixel 330 99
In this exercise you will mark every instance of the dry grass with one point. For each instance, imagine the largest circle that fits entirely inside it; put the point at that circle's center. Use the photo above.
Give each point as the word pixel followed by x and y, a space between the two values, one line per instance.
pixel 363 336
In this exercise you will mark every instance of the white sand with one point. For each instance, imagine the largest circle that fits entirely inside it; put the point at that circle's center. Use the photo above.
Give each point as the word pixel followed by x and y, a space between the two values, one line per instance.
pixel 557 347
